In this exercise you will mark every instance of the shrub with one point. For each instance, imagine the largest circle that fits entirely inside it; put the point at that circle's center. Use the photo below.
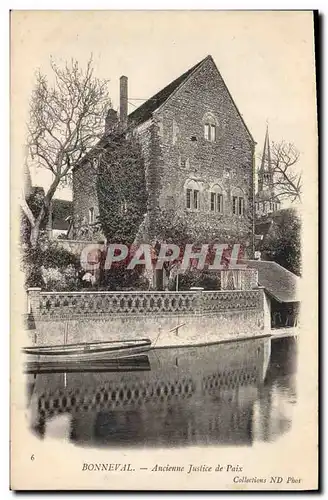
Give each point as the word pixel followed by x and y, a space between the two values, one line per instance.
pixel 50 267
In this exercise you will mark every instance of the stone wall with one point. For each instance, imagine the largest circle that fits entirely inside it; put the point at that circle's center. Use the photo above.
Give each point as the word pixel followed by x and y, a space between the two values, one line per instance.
pixel 201 317
pixel 175 152
pixel 84 195
pixel 184 154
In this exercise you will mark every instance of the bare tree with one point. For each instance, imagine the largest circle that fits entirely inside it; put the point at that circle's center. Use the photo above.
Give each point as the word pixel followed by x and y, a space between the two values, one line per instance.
pixel 67 117
pixel 287 183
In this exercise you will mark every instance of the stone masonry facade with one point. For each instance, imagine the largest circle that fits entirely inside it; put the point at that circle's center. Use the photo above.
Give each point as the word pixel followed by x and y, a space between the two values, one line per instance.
pixel 182 157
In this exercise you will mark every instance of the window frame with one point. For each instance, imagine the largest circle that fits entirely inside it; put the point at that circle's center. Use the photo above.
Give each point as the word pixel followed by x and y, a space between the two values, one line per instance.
pixel 216 201
pixel 91 215
pixel 210 125
pixel 238 203
pixel 219 201
pixel 192 196
pixel 196 200
pixel 188 198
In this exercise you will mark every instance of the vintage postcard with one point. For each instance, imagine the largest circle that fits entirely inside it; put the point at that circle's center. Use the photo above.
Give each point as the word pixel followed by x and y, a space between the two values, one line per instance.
pixel 164 198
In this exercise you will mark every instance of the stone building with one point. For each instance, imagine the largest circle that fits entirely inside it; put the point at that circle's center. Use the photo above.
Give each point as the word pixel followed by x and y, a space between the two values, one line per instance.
pixel 266 200
pixel 198 156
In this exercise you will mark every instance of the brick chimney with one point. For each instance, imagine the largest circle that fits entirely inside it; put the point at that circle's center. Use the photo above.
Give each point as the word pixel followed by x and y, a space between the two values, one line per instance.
pixel 124 101
pixel 111 120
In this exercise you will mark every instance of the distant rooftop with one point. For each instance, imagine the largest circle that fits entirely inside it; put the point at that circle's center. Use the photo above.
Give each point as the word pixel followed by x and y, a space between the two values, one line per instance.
pixel 278 282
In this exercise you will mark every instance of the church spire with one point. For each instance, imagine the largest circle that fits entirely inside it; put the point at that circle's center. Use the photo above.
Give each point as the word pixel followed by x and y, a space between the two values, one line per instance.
pixel 266 200
pixel 265 171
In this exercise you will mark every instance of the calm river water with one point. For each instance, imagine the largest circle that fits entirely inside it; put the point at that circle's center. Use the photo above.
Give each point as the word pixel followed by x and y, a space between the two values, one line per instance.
pixel 226 394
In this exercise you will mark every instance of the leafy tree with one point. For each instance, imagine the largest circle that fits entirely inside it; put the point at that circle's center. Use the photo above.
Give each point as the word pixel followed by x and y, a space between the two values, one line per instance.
pixel 49 256
pixel 283 242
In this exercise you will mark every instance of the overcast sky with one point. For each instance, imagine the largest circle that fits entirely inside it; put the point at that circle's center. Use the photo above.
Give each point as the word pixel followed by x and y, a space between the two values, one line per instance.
pixel 265 58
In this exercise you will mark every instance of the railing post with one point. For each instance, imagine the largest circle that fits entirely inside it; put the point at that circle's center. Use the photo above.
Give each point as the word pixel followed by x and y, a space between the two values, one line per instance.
pixel 198 308
pixel 33 301
pixel 254 279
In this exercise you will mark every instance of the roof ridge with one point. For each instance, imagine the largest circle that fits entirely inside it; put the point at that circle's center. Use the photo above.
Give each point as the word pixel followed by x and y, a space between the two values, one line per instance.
pixel 273 262
pixel 145 111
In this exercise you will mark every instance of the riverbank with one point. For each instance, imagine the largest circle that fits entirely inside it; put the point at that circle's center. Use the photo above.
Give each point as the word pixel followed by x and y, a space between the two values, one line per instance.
pixel 179 337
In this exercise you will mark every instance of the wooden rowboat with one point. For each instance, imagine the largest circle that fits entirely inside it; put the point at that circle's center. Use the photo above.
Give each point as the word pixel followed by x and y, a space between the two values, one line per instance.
pixel 136 363
pixel 86 351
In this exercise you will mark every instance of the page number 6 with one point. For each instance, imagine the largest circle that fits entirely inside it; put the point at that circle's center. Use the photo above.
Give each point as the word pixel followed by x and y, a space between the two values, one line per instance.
pixel 32 457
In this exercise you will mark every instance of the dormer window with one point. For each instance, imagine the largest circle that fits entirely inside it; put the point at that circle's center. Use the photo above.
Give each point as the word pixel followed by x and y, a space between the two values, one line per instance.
pixel 210 127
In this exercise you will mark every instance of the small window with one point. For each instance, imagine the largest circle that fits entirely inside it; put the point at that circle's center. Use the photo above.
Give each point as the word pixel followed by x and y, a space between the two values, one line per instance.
pixel 210 132
pixel 217 203
pixel 196 199
pixel 183 162
pixel 241 206
pixel 238 205
pixel 188 200
pixel 192 195
pixel 91 215
pixel 212 202
pixel 235 205
pixel 210 127
pixel 266 177
pixel 219 199
pixel 207 131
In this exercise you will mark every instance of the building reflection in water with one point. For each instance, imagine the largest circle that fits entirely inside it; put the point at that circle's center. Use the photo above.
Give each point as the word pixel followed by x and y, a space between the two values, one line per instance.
pixel 226 394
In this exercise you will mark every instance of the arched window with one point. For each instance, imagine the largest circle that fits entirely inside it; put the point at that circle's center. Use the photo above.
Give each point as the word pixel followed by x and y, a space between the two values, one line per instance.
pixel 238 202
pixel 192 195
pixel 266 177
pixel 216 199
pixel 210 127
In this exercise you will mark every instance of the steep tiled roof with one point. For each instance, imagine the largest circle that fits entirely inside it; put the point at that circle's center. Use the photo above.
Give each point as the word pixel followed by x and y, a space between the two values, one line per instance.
pixel 280 283
pixel 144 112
